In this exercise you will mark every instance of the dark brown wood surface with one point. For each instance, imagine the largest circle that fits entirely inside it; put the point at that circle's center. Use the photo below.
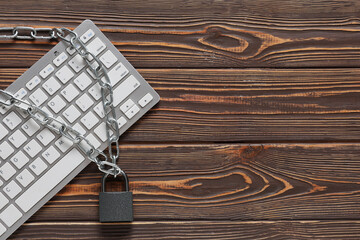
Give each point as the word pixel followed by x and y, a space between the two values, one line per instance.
pixel 257 132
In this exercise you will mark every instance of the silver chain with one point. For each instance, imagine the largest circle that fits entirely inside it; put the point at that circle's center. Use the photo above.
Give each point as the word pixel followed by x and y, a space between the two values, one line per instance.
pixel 59 127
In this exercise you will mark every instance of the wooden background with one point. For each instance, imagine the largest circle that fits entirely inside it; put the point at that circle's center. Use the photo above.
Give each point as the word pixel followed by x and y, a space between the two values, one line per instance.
pixel 257 132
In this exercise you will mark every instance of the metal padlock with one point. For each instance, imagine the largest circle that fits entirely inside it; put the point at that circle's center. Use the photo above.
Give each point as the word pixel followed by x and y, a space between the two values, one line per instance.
pixel 115 206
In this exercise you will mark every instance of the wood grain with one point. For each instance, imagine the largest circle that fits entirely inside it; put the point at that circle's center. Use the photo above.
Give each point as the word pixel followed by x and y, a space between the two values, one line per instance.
pixel 193 230
pixel 218 34
pixel 243 105
pixel 224 182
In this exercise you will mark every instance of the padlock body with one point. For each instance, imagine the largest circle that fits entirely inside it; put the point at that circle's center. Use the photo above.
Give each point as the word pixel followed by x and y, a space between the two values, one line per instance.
pixel 116 206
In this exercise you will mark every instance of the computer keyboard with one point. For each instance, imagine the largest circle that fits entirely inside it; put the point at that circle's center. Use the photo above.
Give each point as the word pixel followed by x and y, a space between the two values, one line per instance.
pixel 36 162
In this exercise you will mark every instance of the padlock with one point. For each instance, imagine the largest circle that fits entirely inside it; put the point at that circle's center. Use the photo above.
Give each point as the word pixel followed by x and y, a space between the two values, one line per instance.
pixel 115 206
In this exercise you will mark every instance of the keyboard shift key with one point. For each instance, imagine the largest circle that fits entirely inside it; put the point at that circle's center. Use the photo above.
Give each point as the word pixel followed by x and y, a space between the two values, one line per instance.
pixel 25 178
pixel 125 88
pixel 10 215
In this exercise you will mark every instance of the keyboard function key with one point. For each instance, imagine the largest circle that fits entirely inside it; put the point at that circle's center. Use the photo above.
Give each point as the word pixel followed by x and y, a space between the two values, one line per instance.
pixel 145 100
pixel 25 178
pixel 82 81
pixel 132 111
pixel 10 215
pixel 19 159
pixel 64 74
pixel 38 166
pixel 51 85
pixel 46 71
pixel 96 46
pixel 127 105
pixel 32 83
pixel 87 36
pixel 60 59
pixel 21 93
pixel 12 189
pixel 108 59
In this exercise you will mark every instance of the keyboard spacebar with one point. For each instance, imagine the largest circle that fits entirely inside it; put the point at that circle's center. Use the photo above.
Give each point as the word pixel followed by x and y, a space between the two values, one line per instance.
pixel 49 180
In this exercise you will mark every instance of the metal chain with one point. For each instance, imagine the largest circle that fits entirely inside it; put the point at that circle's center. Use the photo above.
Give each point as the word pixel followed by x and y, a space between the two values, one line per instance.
pixel 101 75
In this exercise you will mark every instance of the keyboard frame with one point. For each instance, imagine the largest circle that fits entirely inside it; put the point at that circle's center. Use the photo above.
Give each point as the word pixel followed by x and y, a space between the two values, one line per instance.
pixel 34 71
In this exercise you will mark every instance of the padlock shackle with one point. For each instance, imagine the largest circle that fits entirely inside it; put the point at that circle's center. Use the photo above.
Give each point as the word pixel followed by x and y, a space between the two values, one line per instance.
pixel 104 177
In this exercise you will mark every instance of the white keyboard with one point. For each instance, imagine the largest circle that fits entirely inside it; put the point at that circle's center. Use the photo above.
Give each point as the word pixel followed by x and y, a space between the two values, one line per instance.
pixel 35 162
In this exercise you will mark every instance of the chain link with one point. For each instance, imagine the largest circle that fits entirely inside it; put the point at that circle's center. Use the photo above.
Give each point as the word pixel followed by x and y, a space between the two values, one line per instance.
pixel 59 127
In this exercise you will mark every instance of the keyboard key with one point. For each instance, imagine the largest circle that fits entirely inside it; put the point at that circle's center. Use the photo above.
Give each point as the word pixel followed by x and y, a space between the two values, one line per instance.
pixel 56 104
pixel 12 120
pixel 30 127
pixel 7 171
pixel 82 81
pixel 92 139
pixel 5 150
pixel 32 148
pixel 51 85
pixel 132 111
pixel 108 59
pixel 60 59
pixel 47 71
pixel 17 138
pixel 64 74
pixel 51 155
pixel 10 215
pixel 33 83
pixel 49 180
pixel 25 178
pixel 3 131
pixel 38 166
pixel 89 120
pixel 70 92
pixel 71 50
pixel 125 89
pixel 38 97
pixel 145 100
pixel 12 189
pixel 63 144
pixel 95 91
pixel 99 109
pixel 87 36
pixel 19 159
pixel 94 65
pixel 127 105
pixel 84 102
pixel 3 201
pixel 71 113
pixel 116 74
pixel 121 121
pixel 100 131
pixel 79 128
pixel 45 136
pixel 96 46
pixel 77 63
pixel 4 109
pixel 21 93
pixel 2 229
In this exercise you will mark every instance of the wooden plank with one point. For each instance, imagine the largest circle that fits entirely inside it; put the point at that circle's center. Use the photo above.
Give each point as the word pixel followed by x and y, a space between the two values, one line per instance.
pixel 201 33
pixel 192 230
pixel 224 182
pixel 247 105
